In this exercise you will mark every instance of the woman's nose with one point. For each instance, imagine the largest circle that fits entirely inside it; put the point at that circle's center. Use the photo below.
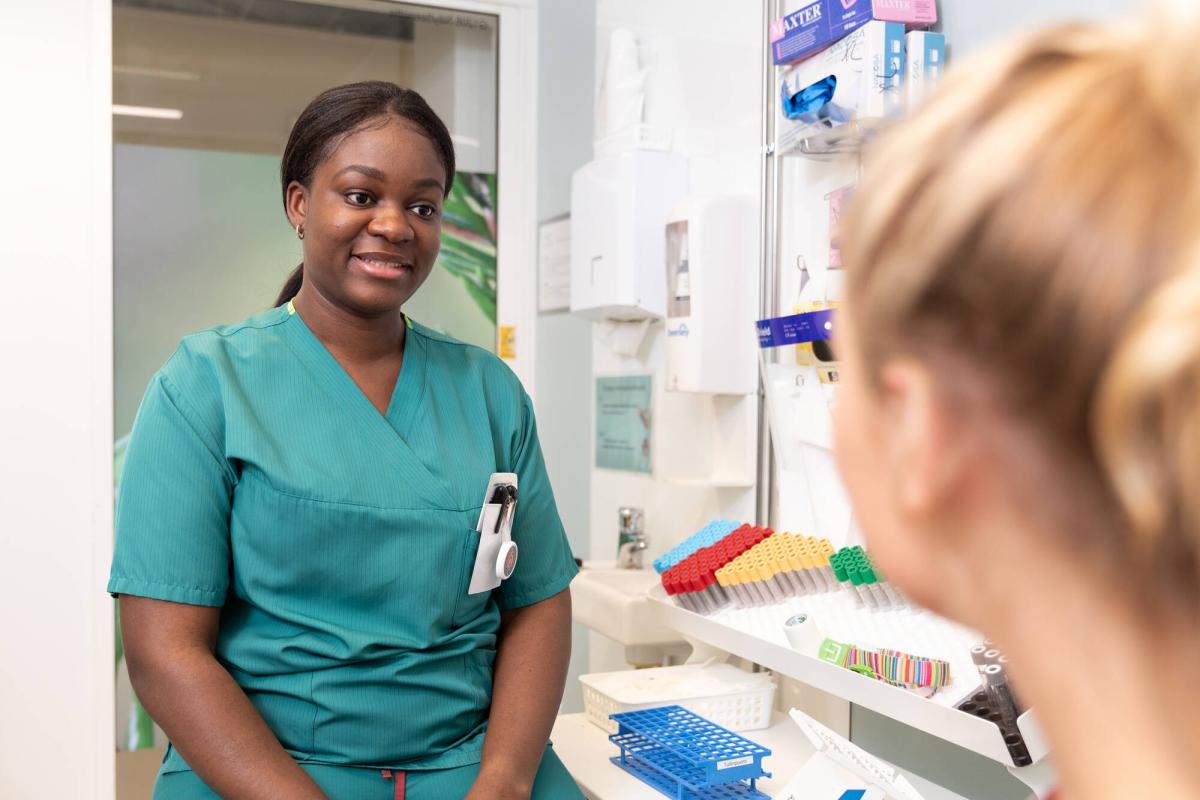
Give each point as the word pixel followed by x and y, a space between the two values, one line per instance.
pixel 392 225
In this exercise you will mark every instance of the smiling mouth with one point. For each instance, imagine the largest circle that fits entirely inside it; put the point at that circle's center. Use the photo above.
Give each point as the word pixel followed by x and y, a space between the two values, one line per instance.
pixel 383 261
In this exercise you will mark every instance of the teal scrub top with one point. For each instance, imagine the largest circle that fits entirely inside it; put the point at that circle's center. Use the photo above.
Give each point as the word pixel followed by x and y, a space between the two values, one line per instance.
pixel 338 541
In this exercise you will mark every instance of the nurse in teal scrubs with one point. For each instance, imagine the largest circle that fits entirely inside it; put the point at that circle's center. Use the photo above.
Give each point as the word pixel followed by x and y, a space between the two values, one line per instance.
pixel 296 521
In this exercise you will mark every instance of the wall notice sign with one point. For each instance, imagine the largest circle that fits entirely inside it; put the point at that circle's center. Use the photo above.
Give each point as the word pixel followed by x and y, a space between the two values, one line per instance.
pixel 554 265
pixel 624 423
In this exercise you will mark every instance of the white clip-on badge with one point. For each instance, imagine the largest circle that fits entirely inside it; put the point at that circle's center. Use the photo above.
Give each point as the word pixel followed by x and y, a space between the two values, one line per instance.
pixel 496 557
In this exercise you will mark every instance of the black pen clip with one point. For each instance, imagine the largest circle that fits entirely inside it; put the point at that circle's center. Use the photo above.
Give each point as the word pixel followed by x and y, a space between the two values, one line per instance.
pixel 508 502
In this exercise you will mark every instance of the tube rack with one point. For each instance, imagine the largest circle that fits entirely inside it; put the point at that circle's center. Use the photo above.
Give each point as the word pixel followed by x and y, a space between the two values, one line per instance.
pixel 707 536
pixel 685 756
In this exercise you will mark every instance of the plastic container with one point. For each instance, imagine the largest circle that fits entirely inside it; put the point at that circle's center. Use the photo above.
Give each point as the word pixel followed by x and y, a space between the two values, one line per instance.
pixel 730 697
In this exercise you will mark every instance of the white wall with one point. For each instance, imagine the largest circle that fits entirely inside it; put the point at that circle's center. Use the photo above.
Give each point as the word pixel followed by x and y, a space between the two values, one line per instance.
pixel 56 672
pixel 970 24
pixel 704 59
pixel 564 353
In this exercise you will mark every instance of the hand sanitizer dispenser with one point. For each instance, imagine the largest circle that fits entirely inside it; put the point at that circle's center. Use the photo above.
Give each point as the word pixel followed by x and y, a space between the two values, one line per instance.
pixel 712 289
pixel 619 204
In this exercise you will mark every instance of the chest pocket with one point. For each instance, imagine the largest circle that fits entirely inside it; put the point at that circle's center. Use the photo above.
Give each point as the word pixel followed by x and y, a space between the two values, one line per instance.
pixel 359 577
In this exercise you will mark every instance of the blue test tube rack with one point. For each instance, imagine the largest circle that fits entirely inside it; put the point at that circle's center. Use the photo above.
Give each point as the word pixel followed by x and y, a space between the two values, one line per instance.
pixel 686 757
pixel 707 536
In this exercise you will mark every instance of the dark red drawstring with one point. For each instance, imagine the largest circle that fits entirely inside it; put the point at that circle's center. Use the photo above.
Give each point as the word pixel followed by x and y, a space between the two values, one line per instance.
pixel 398 776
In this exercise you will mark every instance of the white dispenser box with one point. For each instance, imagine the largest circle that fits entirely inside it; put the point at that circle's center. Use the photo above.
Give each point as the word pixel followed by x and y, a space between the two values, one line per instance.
pixel 619 204
pixel 712 291
pixel 926 60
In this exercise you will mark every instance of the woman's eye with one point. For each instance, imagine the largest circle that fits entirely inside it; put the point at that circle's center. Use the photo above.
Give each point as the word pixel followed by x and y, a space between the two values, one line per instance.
pixel 425 211
pixel 358 198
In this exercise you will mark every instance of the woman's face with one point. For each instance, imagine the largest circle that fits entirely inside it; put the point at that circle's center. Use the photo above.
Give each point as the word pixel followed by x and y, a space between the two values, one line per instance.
pixel 372 218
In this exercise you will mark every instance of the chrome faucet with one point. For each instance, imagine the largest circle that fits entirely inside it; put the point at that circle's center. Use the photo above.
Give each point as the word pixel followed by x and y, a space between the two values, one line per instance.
pixel 631 540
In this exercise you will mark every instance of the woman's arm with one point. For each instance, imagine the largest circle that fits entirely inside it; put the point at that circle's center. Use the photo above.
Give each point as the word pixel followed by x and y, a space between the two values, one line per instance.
pixel 210 721
pixel 531 668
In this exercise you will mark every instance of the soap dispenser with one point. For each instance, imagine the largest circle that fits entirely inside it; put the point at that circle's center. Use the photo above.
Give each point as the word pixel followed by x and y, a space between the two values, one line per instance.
pixel 712 291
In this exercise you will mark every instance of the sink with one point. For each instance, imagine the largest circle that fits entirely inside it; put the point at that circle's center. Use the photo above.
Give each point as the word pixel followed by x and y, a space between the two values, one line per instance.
pixel 613 602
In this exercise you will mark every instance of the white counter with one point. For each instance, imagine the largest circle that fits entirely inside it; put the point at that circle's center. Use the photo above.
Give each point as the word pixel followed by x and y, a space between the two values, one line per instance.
pixel 585 750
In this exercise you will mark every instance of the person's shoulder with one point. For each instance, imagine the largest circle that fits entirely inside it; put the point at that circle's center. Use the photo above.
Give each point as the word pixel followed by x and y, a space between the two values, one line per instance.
pixel 215 353
pixel 238 335
pixel 470 360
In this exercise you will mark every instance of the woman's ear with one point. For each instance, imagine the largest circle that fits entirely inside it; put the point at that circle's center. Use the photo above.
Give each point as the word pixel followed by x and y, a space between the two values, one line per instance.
pixel 925 450
pixel 297 203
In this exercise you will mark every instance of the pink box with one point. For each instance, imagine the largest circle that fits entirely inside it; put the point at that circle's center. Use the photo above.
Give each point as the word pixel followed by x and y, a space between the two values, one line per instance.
pixel 910 12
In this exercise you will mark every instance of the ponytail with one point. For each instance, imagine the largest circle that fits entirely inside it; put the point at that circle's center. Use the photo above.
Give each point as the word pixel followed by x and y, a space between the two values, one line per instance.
pixel 1147 430
pixel 291 286
pixel 1147 421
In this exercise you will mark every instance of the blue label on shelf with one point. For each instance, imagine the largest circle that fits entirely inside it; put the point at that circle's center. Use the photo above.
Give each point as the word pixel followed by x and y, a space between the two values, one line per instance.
pixel 853 794
pixel 813 326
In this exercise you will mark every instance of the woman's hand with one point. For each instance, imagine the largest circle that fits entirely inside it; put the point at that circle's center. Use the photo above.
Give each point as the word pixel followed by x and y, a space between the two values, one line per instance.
pixel 493 785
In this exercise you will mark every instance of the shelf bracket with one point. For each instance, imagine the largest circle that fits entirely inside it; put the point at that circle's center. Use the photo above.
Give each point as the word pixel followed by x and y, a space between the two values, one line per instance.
pixel 703 652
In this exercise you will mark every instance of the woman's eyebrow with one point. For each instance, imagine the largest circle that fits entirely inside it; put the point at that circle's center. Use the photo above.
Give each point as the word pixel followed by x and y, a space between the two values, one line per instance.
pixel 370 172
pixel 430 183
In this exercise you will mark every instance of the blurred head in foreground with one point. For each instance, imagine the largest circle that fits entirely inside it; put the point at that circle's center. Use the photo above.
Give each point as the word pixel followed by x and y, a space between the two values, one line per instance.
pixel 1019 419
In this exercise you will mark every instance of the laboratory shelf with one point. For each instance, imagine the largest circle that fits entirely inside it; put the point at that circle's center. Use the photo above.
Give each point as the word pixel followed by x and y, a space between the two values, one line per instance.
pixel 822 142
pixel 757 634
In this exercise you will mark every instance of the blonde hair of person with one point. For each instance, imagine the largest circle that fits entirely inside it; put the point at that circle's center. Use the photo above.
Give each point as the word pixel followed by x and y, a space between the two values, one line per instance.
pixel 1038 221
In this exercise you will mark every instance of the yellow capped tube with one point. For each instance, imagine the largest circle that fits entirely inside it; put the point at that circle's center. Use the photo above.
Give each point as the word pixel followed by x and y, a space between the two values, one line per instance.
pixel 810 574
pixel 826 551
pixel 792 574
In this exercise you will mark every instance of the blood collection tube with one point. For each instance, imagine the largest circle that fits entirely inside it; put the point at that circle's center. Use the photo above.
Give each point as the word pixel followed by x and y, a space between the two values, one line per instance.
pixel 822 572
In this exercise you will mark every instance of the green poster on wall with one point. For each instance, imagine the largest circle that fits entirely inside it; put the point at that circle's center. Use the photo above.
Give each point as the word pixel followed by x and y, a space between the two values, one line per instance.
pixel 469 238
pixel 624 422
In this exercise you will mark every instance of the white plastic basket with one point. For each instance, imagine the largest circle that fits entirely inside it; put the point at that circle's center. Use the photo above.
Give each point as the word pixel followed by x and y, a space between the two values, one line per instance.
pixel 730 697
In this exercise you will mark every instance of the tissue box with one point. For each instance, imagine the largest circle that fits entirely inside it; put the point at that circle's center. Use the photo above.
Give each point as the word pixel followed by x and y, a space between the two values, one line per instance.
pixel 926 60
pixel 866 70
pixel 814 24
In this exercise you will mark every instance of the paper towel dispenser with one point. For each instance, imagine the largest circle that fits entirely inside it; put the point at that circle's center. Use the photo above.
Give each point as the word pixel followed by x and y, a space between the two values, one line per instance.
pixel 619 205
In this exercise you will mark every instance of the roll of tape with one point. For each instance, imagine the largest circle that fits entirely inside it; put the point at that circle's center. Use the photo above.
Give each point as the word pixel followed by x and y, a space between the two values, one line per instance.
pixel 803 634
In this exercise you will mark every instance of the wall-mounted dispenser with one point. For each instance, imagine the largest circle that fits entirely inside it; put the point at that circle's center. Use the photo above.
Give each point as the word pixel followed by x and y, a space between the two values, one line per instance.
pixel 619 205
pixel 712 290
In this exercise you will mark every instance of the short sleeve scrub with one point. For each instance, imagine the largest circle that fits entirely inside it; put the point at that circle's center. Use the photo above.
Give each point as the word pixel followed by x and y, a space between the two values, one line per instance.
pixel 338 541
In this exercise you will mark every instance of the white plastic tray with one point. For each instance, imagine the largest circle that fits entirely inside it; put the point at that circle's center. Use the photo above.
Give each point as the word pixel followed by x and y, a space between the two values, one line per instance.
pixel 721 693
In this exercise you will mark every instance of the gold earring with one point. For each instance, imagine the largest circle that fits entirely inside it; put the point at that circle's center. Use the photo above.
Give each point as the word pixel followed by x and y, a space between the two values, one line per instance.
pixel 299 231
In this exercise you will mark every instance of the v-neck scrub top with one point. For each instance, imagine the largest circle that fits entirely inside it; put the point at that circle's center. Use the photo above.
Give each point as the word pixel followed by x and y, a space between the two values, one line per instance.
pixel 338 541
